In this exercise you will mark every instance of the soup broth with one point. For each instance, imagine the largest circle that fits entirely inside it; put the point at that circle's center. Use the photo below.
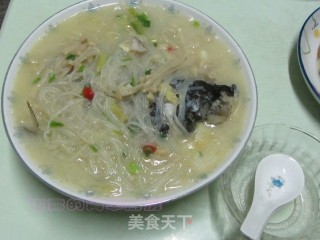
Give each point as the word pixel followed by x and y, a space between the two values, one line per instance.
pixel 123 102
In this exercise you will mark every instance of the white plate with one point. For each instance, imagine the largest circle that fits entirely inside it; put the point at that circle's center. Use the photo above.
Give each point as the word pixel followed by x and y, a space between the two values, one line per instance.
pixel 172 6
pixel 309 52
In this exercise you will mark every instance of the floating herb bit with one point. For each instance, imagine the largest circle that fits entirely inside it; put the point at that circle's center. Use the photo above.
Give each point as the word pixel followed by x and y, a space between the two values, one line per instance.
pixel 155 44
pixel 133 129
pixel 144 19
pixel 81 68
pixel 140 22
pixel 56 124
pixel 94 148
pixel 71 56
pixel 36 80
pixel 133 168
pixel 52 77
pixel 134 81
pixel 195 23
pixel 137 26
pixel 148 71
pixel 118 132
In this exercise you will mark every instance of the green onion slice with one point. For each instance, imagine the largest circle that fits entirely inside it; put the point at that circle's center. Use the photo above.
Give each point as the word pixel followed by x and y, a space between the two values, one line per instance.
pixel 56 124
pixel 52 77
pixel 81 68
pixel 94 148
pixel 133 168
pixel 148 71
pixel 36 80
pixel 71 56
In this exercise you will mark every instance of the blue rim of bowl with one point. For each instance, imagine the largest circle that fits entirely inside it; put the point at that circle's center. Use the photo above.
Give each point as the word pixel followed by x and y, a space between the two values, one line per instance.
pixel 157 200
pixel 315 92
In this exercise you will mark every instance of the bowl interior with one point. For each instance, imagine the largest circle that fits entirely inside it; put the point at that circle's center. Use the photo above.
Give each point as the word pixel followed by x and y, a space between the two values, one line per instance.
pixel 173 6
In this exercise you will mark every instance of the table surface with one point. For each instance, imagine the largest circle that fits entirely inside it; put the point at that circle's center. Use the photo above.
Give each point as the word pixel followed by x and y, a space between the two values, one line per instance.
pixel 267 31
pixel 3 8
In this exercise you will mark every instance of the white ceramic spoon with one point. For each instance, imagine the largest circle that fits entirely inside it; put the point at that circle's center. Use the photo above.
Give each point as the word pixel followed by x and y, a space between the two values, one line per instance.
pixel 279 179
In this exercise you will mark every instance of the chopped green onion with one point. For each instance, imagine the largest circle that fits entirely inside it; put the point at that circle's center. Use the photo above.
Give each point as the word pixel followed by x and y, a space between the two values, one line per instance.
pixel 133 168
pixel 52 77
pixel 148 71
pixel 140 21
pixel 56 124
pixel 36 80
pixel 155 44
pixel 81 68
pixel 201 154
pixel 143 18
pixel 137 26
pixel 118 132
pixel 195 23
pixel 94 148
pixel 134 82
pixel 71 56
pixel 133 129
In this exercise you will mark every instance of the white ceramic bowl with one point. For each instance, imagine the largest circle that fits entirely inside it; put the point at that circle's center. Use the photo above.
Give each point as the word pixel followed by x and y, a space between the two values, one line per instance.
pixel 309 52
pixel 172 6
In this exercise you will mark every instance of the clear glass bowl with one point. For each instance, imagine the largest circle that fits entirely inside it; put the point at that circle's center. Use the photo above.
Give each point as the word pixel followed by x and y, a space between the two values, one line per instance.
pixel 296 220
